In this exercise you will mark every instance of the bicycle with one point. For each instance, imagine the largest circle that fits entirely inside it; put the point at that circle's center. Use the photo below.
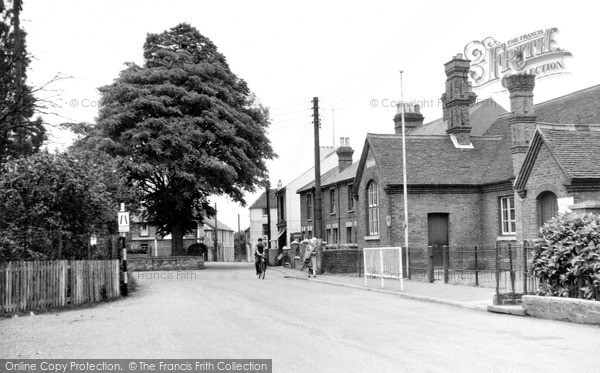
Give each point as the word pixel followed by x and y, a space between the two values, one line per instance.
pixel 262 268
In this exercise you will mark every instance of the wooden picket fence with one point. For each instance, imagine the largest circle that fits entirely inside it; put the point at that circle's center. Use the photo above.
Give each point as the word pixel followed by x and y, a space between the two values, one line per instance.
pixel 45 284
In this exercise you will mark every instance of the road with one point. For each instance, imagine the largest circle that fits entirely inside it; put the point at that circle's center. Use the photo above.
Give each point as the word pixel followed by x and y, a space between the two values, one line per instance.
pixel 225 312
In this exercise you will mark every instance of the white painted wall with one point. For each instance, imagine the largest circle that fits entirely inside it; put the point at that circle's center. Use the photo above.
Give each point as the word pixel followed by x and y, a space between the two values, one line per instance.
pixel 257 219
pixel 329 160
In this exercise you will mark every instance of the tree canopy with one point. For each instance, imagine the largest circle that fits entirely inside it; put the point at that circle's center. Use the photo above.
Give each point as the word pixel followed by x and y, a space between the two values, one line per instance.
pixel 20 135
pixel 186 127
pixel 50 204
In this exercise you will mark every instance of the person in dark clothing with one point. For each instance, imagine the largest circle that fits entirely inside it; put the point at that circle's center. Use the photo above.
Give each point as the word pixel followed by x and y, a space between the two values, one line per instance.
pixel 259 252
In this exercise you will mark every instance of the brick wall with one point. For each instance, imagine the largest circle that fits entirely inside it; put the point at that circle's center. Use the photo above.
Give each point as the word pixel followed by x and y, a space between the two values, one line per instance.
pixel 473 217
pixel 340 218
pixel 343 260
pixel 546 175
pixel 490 210
pixel 182 263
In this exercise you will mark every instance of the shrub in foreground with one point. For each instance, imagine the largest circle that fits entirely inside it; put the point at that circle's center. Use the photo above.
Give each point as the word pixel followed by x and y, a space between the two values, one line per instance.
pixel 567 257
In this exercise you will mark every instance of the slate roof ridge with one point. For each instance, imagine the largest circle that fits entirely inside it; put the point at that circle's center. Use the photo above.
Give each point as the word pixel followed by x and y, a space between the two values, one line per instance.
pixel 571 94
pixel 568 126
pixel 430 137
pixel 324 177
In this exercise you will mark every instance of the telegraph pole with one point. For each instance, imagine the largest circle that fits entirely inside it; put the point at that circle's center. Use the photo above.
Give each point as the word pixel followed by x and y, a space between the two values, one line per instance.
pixel 216 243
pixel 268 186
pixel 318 218
pixel 404 187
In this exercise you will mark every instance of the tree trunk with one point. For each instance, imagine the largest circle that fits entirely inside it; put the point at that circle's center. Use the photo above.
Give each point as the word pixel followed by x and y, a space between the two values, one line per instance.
pixel 177 241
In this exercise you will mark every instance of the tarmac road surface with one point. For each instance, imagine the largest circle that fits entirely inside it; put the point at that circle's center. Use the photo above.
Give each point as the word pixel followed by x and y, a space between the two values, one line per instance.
pixel 224 311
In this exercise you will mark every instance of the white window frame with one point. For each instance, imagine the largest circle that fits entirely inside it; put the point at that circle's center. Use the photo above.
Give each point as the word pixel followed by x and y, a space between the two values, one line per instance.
pixel 332 208
pixel 373 208
pixel 508 224
pixel 144 230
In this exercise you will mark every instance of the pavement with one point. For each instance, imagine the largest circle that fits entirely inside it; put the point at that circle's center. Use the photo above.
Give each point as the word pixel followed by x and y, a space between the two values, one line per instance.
pixel 471 297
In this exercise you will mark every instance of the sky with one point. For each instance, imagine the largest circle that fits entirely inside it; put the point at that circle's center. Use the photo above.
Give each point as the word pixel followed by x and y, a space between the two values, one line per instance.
pixel 348 54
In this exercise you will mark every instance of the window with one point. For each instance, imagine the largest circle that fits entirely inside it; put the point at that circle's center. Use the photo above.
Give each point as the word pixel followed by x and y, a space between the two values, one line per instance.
pixel 547 207
pixel 332 200
pixel 144 247
pixel 281 208
pixel 265 212
pixel 144 230
pixel 507 216
pixel 265 231
pixel 309 209
pixel 329 236
pixel 350 198
pixel 335 235
pixel 309 234
pixel 348 234
pixel 373 208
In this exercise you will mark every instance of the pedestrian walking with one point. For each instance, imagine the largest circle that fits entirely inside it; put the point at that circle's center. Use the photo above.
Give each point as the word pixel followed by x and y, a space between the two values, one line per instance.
pixel 310 256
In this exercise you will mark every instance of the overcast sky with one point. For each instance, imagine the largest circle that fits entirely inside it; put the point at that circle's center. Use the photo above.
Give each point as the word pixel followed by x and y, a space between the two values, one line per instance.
pixel 346 53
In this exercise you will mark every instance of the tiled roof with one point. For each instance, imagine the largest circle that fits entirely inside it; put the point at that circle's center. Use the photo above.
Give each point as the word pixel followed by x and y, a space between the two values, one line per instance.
pixel 347 174
pixel 261 202
pixel 481 115
pixel 581 107
pixel 434 160
pixel 333 176
pixel 577 150
pixel 324 179
pixel 211 223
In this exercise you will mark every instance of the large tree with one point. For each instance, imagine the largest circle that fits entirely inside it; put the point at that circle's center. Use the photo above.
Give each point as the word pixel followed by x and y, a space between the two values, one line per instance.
pixel 20 135
pixel 187 128
pixel 50 204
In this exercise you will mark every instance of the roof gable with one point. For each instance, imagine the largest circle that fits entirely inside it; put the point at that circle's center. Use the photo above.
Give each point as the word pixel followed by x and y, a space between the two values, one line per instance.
pixel 361 165
pixel 210 222
pixel 575 148
pixel 261 202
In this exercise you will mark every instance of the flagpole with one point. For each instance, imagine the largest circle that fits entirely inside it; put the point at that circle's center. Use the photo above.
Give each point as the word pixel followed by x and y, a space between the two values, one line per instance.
pixel 404 180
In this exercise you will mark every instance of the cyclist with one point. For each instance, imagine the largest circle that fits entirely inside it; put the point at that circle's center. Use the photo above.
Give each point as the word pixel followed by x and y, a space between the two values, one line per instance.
pixel 259 253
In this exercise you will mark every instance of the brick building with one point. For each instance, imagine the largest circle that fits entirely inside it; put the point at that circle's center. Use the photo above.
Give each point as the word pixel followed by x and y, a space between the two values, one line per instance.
pixel 561 172
pixel 339 217
pixel 460 184
pixel 143 238
pixel 479 174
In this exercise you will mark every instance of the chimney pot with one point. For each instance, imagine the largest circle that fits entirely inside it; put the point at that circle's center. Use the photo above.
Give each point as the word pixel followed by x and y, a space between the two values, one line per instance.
pixel 344 153
pixel 457 99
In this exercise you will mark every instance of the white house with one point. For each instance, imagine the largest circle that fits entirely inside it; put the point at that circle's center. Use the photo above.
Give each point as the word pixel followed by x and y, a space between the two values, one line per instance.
pixel 259 227
pixel 288 200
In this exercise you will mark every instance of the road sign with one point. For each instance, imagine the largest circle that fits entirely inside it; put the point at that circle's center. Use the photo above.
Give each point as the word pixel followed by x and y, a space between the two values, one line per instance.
pixel 123 222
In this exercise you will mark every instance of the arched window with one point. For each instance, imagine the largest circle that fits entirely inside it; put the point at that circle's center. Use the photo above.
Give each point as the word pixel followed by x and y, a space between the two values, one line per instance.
pixel 547 207
pixel 373 208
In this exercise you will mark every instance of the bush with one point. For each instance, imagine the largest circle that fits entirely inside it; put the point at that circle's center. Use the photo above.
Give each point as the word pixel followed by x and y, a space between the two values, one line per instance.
pixel 567 257
pixel 196 249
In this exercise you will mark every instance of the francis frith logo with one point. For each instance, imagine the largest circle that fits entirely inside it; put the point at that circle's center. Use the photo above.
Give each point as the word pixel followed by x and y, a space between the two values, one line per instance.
pixel 533 53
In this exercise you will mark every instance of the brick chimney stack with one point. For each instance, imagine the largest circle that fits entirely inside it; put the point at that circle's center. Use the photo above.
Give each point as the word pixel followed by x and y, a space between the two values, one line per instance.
pixel 457 99
pixel 412 118
pixel 522 116
pixel 344 153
